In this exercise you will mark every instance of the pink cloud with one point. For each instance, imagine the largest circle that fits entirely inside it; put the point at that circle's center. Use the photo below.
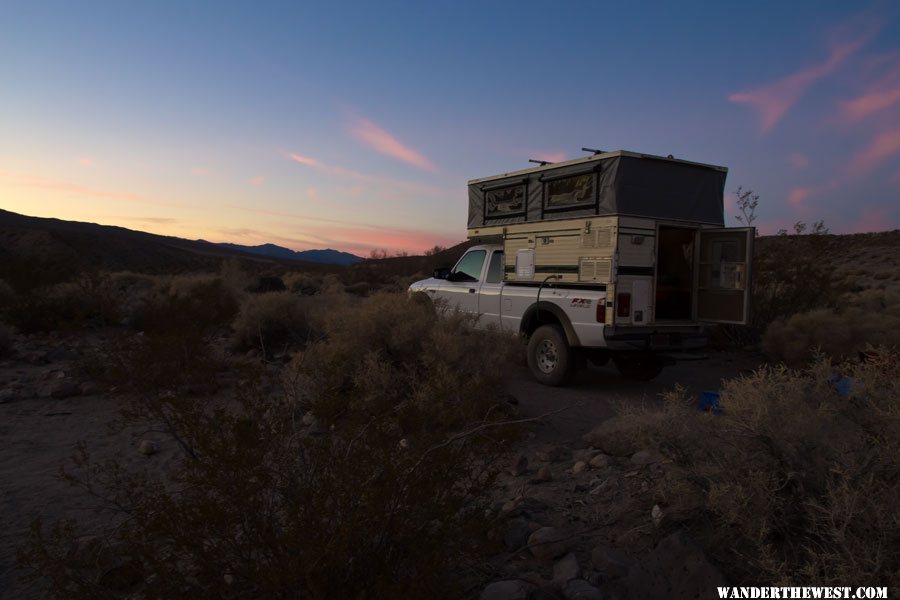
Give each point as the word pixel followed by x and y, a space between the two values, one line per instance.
pixel 773 100
pixel 36 182
pixel 344 173
pixel 883 94
pixel 884 146
pixel 382 141
pixel 199 171
pixel 312 194
pixel 798 160
pixel 86 162
pixel 257 180
pixel 873 219
pixel 553 157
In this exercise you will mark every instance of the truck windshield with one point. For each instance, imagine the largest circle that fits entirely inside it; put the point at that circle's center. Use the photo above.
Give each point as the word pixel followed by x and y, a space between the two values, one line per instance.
pixel 469 266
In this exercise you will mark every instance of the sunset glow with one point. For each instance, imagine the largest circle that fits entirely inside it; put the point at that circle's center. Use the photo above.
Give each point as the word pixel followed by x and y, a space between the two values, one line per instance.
pixel 357 127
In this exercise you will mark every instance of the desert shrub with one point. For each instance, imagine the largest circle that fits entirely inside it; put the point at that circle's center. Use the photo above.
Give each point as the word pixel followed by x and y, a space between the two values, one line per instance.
pixel 195 302
pixel 331 284
pixel 272 321
pixel 360 288
pixel 234 275
pixel 838 335
pixel 392 353
pixel 6 339
pixel 301 283
pixel 87 299
pixel 265 506
pixel 788 280
pixel 795 484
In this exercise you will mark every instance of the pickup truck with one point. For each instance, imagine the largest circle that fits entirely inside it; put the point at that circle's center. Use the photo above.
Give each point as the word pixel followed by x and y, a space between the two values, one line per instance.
pixel 565 324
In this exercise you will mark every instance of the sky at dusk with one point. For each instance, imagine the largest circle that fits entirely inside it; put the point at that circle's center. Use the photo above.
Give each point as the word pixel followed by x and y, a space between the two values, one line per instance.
pixel 356 125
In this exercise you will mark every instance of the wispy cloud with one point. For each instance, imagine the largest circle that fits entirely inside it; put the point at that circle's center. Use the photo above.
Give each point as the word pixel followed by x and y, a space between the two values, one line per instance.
pixel 344 173
pixel 798 160
pixel 384 142
pixel 877 218
pixel 257 180
pixel 882 94
pixel 773 100
pixel 885 145
pixel 553 157
pixel 26 180
pixel 154 220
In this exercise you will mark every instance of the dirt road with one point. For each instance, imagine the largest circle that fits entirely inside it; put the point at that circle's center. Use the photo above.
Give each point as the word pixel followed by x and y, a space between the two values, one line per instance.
pixel 595 392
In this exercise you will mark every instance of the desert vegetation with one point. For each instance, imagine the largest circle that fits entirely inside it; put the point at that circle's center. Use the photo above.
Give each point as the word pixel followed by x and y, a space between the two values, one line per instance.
pixel 339 438
pixel 362 466
pixel 794 483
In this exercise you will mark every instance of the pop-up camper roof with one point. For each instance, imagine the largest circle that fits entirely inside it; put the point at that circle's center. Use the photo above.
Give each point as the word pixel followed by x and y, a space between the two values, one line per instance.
pixel 608 183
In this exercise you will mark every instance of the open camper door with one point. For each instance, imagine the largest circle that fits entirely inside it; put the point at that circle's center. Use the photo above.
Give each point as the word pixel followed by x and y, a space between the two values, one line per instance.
pixel 722 275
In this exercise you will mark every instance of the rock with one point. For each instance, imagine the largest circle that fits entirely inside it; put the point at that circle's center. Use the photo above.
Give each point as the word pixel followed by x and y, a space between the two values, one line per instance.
pixel 148 447
pixel 308 419
pixel 35 358
pixel 551 454
pixel 512 589
pixel 7 395
pixel 579 467
pixel 565 570
pixel 519 465
pixel 645 457
pixel 517 533
pixel 656 515
pixel 579 589
pixel 611 562
pixel 677 568
pixel 599 462
pixel 620 435
pixel 544 474
pixel 549 542
pixel 63 388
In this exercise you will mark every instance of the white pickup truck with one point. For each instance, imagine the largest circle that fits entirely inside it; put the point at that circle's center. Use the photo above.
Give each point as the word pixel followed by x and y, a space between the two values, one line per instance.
pixel 565 325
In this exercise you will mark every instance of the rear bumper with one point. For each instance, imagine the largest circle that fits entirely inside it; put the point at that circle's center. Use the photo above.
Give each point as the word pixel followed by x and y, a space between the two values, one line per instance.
pixel 655 339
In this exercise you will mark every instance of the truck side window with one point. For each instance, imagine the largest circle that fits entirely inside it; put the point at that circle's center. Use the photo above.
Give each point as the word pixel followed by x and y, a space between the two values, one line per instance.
pixel 495 268
pixel 469 266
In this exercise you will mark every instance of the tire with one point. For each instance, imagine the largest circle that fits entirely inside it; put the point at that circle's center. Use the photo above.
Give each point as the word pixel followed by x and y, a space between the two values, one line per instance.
pixel 550 358
pixel 642 367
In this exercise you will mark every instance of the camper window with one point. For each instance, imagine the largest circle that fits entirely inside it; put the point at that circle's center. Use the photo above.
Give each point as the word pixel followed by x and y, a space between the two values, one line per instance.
pixel 569 192
pixel 505 202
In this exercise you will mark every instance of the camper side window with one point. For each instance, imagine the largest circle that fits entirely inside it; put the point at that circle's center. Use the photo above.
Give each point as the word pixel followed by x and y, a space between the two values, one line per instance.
pixel 569 192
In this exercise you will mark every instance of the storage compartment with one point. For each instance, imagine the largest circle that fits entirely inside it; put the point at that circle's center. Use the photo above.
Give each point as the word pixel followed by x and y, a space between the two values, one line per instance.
pixel 675 273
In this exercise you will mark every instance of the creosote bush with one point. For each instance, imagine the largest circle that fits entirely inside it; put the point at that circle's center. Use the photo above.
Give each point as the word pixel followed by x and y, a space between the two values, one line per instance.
pixel 273 321
pixel 384 497
pixel 794 484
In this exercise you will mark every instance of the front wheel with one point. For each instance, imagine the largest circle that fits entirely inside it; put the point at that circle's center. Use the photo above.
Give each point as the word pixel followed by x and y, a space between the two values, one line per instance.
pixel 550 358
pixel 642 367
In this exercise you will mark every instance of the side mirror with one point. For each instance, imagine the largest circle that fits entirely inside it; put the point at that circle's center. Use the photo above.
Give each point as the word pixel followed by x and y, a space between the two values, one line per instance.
pixel 441 273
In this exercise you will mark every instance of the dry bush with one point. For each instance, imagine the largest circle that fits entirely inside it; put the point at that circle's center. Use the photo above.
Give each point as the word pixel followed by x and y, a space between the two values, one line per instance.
pixel 387 501
pixel 872 317
pixel 85 300
pixel 302 283
pixel 272 321
pixel 794 484
pixel 186 302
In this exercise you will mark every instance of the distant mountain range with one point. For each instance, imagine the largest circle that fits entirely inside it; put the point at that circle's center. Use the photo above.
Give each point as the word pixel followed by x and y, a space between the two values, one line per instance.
pixel 328 256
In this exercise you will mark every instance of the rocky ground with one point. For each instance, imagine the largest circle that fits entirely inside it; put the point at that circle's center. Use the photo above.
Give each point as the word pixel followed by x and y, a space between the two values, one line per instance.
pixel 565 509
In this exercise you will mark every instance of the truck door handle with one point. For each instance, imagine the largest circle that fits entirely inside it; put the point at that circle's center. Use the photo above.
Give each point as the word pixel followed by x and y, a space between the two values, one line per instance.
pixel 471 290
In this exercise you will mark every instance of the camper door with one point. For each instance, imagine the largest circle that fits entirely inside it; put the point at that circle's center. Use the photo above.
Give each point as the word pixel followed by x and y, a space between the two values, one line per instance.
pixel 722 275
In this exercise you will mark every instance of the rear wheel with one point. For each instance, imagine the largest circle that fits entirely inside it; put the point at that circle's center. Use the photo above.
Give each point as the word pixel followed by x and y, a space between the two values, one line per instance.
pixel 642 367
pixel 550 358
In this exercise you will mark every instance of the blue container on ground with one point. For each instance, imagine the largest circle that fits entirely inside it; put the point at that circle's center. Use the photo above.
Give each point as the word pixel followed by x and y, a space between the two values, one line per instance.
pixel 709 402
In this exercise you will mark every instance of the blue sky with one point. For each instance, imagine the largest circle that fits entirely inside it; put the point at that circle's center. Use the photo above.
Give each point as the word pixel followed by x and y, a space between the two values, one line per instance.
pixel 356 126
